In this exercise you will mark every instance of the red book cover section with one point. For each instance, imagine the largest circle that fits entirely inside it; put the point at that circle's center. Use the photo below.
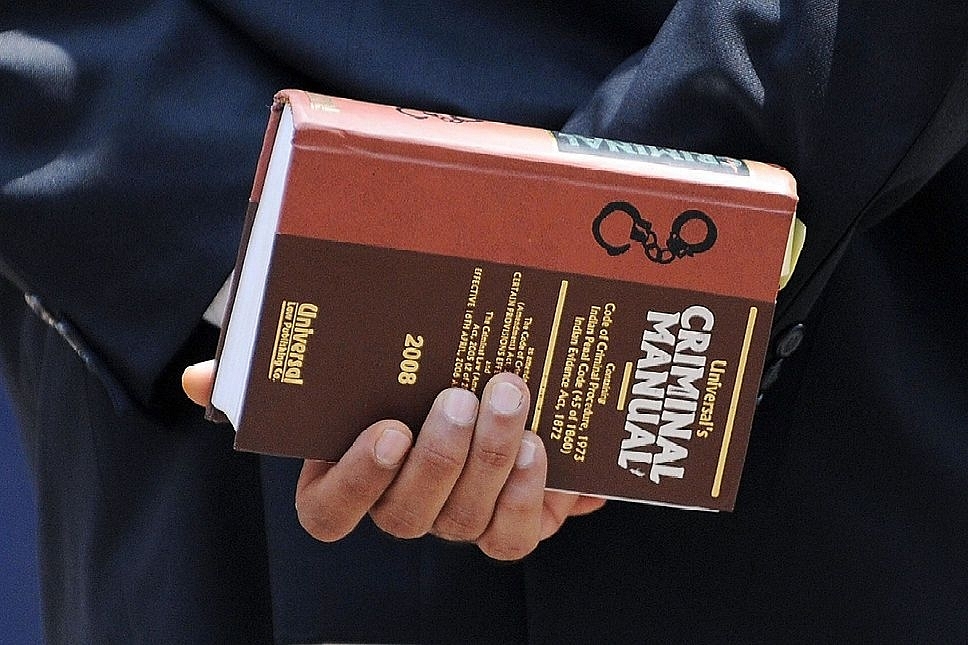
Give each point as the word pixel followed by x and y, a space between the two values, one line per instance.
pixel 632 287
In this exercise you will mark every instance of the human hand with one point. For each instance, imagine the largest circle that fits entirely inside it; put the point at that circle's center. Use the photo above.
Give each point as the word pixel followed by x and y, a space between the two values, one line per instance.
pixel 474 474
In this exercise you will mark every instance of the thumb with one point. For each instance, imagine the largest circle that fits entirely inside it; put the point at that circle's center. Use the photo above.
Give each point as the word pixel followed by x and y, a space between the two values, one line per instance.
pixel 197 382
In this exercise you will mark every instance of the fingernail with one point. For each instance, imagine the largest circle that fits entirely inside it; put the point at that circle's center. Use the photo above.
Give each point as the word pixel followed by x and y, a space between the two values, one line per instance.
pixel 459 405
pixel 526 451
pixel 505 398
pixel 391 447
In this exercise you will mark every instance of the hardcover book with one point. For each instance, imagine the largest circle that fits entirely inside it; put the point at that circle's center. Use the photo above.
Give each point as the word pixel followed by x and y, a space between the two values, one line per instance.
pixel 390 253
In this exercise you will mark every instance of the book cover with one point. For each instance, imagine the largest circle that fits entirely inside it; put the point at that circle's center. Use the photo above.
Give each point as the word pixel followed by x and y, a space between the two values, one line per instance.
pixel 390 253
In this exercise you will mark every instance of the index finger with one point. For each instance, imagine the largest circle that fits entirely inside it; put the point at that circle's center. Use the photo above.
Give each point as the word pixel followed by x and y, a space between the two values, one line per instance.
pixel 331 499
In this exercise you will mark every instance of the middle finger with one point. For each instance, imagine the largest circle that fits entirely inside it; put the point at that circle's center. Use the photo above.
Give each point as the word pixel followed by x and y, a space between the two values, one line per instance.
pixel 497 439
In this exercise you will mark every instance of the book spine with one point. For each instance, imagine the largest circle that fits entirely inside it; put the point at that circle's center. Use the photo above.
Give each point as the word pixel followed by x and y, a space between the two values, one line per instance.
pixel 211 412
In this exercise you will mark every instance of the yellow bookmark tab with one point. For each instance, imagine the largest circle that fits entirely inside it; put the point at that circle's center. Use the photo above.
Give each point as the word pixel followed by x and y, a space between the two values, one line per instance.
pixel 798 235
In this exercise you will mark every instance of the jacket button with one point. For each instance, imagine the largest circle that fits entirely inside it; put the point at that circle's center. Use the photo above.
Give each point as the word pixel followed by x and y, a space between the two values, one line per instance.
pixel 771 374
pixel 789 341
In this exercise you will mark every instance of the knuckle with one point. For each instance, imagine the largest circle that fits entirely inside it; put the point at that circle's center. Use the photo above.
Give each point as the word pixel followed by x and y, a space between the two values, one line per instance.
pixel 495 458
pixel 331 516
pixel 400 520
pixel 322 526
pixel 353 489
pixel 460 524
pixel 519 505
pixel 506 549
pixel 440 462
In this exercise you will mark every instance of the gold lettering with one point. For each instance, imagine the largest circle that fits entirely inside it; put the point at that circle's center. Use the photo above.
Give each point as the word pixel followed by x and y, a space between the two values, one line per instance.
pixel 293 335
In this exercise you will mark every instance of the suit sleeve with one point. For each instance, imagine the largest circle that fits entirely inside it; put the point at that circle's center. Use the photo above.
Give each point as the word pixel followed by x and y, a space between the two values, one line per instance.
pixel 864 106
pixel 119 213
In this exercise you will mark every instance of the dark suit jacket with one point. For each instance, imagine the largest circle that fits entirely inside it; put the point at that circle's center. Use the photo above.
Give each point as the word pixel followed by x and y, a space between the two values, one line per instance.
pixel 128 142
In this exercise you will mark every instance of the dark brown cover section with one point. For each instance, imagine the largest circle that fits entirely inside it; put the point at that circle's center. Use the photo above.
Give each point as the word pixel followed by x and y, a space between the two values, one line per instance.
pixel 417 251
